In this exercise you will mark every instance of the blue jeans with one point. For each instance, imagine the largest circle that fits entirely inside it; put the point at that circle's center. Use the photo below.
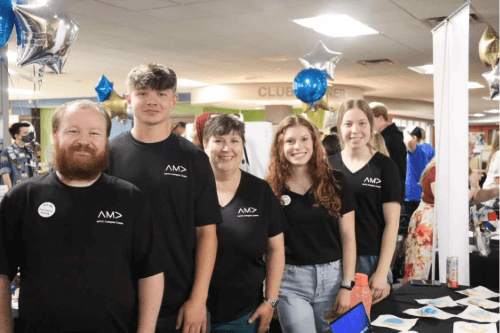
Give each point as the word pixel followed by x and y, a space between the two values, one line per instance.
pixel 368 265
pixel 239 325
pixel 167 324
pixel 306 293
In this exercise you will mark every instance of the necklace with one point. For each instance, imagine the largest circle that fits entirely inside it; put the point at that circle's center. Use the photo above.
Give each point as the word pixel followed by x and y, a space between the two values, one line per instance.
pixel 302 187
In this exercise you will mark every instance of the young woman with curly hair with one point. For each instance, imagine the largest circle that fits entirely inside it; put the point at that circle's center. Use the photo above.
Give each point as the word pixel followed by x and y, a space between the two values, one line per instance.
pixel 373 178
pixel 320 248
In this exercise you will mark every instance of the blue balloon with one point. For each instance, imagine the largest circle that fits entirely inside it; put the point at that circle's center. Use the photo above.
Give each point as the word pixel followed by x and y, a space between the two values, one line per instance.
pixel 104 89
pixel 7 18
pixel 310 85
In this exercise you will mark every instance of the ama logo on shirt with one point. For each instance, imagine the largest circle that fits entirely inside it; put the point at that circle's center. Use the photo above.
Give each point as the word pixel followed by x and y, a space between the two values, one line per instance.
pixel 372 182
pixel 109 217
pixel 247 212
pixel 175 170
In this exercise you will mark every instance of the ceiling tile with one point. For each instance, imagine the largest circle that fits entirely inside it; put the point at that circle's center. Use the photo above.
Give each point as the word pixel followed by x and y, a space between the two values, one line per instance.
pixel 140 5
pixel 176 13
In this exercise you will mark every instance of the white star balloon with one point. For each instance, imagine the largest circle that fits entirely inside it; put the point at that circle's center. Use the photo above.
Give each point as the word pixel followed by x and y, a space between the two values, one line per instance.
pixel 322 58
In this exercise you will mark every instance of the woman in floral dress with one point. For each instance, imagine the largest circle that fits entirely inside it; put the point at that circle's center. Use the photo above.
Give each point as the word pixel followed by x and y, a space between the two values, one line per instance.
pixel 418 258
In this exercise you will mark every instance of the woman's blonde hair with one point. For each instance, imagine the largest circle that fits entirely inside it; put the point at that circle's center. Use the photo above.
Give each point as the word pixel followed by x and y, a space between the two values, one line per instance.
pixel 429 166
pixel 494 149
pixel 378 144
pixel 355 104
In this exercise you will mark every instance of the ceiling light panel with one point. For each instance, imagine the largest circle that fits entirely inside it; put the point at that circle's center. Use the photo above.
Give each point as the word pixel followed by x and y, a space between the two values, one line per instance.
pixel 336 26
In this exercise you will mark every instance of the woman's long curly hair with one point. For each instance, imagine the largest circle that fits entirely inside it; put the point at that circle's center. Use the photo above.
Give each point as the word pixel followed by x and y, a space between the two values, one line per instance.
pixel 325 187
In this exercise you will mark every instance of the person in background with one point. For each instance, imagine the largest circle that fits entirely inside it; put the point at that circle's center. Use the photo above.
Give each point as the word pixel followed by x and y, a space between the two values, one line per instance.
pixel 320 246
pixel 419 242
pixel 88 249
pixel 199 128
pixel 333 130
pixel 331 144
pixel 393 139
pixel 253 225
pixel 426 146
pixel 179 128
pixel 379 144
pixel 374 180
pixel 493 169
pixel 19 162
pixel 177 178
pixel 476 193
pixel 417 158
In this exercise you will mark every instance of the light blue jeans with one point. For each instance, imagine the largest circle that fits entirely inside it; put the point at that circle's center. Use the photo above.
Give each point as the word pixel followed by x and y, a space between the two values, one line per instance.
pixel 368 265
pixel 306 293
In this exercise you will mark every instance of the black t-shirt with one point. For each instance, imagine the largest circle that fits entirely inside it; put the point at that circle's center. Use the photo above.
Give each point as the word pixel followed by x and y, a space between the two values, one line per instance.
pixel 177 178
pixel 250 218
pixel 313 235
pixel 373 185
pixel 80 251
pixel 397 149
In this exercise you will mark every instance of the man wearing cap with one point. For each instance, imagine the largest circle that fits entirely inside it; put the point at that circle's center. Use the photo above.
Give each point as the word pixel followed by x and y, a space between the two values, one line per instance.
pixel 18 162
pixel 88 251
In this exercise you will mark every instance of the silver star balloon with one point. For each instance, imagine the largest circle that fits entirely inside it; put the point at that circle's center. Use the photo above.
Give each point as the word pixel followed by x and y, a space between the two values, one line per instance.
pixel 322 58
pixel 46 33
pixel 493 81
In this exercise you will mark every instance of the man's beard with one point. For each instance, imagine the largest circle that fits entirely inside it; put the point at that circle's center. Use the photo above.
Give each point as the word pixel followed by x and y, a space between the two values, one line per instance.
pixel 72 168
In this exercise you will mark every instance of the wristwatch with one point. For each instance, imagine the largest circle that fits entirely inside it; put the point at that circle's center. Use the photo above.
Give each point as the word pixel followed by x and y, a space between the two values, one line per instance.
pixel 272 302
pixel 347 284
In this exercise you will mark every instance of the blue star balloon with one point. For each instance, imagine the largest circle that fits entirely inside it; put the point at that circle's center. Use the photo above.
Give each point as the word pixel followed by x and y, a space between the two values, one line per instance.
pixel 104 89
pixel 310 85
pixel 6 21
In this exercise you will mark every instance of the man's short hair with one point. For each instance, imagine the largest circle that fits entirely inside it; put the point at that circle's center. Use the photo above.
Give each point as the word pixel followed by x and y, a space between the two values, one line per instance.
pixel 153 76
pixel 423 133
pixel 378 110
pixel 14 129
pixel 80 104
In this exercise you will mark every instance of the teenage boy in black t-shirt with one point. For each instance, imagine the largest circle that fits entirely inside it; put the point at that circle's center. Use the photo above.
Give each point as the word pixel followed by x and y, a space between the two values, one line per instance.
pixel 178 180
pixel 88 251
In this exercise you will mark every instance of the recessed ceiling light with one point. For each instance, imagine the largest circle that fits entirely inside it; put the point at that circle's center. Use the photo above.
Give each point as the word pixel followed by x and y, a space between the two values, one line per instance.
pixel 336 25
pixel 425 69
pixel 190 83
pixel 16 91
pixel 477 115
pixel 474 85
pixel 492 111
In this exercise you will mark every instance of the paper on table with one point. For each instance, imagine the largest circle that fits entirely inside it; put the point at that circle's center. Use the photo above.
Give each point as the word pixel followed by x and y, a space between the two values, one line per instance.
pixel 472 311
pixel 479 292
pixel 407 323
pixel 440 314
pixel 441 302
pixel 460 327
pixel 479 300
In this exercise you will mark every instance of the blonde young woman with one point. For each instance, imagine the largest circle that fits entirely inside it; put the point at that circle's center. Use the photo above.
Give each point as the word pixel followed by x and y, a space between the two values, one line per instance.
pixel 373 178
pixel 320 244
pixel 379 143
pixel 252 227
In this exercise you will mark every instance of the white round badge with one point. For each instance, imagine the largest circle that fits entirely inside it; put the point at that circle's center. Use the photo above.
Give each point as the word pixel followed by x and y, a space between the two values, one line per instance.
pixel 286 200
pixel 47 209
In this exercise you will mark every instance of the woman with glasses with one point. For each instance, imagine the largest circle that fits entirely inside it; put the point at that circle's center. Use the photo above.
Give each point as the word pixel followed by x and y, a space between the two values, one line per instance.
pixel 320 246
pixel 253 225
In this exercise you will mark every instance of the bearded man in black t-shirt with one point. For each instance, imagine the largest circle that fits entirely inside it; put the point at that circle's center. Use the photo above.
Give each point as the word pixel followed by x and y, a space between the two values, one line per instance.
pixel 85 243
